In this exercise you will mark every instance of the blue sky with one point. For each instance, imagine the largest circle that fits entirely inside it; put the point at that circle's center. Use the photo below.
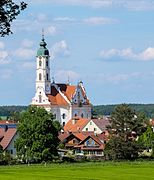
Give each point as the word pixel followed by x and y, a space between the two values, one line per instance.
pixel 108 44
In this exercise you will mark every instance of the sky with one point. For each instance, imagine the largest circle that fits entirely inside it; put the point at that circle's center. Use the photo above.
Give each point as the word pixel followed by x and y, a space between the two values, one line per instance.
pixel 107 44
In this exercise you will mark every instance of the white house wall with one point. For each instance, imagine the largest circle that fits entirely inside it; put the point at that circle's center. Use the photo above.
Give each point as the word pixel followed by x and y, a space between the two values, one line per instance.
pixel 91 126
pixel 11 147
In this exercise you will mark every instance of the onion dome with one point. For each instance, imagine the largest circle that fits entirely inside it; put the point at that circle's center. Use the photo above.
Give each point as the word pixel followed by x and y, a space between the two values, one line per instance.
pixel 43 51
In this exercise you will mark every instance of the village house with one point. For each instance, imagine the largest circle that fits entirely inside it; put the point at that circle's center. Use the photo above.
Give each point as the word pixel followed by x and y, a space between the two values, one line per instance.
pixel 85 136
pixel 8 135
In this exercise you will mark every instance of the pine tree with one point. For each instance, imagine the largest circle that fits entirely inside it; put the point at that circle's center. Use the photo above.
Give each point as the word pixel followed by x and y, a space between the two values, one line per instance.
pixel 125 127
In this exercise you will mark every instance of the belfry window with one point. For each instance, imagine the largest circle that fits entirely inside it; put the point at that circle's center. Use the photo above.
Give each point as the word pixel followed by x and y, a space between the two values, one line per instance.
pixel 40 63
pixel 40 76
pixel 47 63
pixel 47 77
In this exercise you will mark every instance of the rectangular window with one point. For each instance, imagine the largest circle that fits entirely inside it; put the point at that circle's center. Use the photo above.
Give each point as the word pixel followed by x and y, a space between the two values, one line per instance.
pixel 11 151
pixel 95 129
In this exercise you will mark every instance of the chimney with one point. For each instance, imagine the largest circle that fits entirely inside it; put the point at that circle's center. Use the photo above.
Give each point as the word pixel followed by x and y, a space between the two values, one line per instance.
pixel 73 121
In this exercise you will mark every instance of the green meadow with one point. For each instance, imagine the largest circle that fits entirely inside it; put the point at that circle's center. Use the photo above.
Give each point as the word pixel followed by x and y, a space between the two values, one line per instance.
pixel 80 171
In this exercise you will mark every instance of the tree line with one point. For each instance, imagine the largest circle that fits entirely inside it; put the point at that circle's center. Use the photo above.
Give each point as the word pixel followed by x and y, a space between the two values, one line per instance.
pixel 98 110
pixel 147 109
pixel 9 110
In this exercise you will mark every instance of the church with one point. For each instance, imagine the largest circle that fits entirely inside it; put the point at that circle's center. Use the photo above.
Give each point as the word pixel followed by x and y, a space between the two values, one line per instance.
pixel 64 101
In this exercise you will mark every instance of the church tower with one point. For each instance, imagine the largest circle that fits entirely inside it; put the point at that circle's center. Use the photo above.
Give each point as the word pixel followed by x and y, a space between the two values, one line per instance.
pixel 43 82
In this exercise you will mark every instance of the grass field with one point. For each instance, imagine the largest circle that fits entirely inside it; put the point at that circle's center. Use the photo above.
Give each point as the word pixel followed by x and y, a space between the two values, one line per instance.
pixel 80 171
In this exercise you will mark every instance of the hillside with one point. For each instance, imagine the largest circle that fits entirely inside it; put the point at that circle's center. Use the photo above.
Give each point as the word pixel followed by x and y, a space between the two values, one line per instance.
pixel 148 109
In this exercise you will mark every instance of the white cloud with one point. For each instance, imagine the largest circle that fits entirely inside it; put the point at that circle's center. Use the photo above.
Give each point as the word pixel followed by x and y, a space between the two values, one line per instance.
pixel 64 19
pixel 25 53
pixel 117 78
pixel 145 55
pixel 4 57
pixel 92 3
pixel 35 25
pixel 50 30
pixel 2 45
pixel 63 76
pixel 129 4
pixel 6 73
pixel 60 49
pixel 99 20
pixel 139 5
pixel 28 65
pixel 27 43
pixel 42 17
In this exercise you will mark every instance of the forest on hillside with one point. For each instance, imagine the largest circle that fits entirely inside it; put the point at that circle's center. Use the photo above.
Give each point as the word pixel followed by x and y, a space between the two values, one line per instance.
pixel 9 110
pixel 98 110
pixel 147 109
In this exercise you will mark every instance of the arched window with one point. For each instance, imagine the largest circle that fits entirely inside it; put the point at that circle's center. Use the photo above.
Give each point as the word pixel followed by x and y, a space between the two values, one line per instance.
pixel 63 124
pixel 40 63
pixel 40 76
pixel 40 98
pixel 63 115
pixel 47 77
pixel 47 63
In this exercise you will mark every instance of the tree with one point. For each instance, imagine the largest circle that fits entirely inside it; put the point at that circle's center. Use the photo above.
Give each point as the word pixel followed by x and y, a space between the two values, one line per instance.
pixel 147 140
pixel 8 12
pixel 38 135
pixel 125 126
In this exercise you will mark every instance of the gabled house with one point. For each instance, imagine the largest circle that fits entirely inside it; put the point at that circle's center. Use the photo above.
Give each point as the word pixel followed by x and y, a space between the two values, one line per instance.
pixel 91 146
pixel 8 135
pixel 75 125
pixel 78 124
pixel 71 139
pixel 98 126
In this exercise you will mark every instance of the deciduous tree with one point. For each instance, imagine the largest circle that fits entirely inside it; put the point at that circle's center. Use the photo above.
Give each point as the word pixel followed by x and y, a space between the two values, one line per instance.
pixel 147 140
pixel 9 10
pixel 38 135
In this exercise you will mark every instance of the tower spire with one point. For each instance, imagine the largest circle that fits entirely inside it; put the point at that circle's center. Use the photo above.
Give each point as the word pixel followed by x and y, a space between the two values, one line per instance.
pixel 43 34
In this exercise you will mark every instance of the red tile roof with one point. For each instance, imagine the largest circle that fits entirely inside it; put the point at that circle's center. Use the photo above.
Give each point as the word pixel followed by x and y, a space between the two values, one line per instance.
pixel 75 124
pixel 55 98
pixel 101 144
pixel 7 137
pixel 2 122
pixel 101 123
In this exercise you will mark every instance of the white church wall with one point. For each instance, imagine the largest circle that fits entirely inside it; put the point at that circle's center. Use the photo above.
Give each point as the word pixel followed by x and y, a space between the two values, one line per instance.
pixel 84 111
